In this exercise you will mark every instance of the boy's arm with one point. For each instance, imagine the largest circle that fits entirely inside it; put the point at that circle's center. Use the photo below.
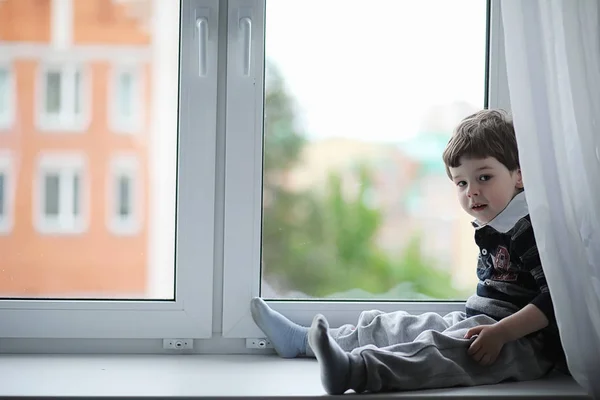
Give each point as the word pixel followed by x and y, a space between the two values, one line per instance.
pixel 525 249
pixel 527 320
pixel 491 338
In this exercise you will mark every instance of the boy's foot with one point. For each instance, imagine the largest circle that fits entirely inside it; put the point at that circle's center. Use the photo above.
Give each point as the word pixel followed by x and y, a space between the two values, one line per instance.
pixel 288 339
pixel 334 362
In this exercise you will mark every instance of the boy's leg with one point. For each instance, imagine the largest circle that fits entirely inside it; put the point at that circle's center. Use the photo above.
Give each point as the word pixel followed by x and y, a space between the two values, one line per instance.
pixel 333 360
pixel 386 329
pixel 373 328
pixel 288 338
pixel 433 360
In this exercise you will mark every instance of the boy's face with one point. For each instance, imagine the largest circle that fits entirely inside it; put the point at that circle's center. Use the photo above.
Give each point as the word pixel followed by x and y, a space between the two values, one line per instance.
pixel 485 186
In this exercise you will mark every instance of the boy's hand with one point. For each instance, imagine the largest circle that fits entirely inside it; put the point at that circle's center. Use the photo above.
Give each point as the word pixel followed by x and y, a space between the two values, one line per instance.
pixel 487 346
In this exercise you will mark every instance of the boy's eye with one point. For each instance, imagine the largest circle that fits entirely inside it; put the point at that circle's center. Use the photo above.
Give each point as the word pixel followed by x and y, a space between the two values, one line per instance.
pixel 485 178
pixel 461 183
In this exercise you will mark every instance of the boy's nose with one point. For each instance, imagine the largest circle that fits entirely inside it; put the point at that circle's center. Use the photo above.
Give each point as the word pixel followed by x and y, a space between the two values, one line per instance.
pixel 473 191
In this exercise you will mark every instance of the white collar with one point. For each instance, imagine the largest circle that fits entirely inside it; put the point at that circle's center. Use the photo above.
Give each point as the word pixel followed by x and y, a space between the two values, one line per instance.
pixel 512 213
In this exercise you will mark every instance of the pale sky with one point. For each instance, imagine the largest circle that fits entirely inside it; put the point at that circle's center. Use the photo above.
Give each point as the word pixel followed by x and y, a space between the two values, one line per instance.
pixel 363 69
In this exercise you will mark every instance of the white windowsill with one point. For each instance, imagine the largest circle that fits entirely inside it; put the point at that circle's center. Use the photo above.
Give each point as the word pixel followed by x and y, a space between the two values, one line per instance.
pixel 201 376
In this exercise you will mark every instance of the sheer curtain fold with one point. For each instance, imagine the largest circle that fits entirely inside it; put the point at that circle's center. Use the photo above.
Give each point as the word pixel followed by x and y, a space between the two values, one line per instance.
pixel 553 67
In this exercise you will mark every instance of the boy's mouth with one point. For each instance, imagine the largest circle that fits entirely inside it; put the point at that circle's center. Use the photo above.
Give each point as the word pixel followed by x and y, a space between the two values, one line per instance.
pixel 478 207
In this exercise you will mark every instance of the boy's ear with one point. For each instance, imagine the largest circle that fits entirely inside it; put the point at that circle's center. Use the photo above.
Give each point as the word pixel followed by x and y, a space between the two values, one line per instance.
pixel 519 183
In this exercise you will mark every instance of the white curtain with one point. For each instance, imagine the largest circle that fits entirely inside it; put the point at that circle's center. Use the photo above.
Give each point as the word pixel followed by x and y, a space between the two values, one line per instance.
pixel 553 65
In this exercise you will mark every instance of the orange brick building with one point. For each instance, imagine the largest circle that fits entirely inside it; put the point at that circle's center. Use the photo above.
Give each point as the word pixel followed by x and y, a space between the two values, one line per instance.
pixel 75 180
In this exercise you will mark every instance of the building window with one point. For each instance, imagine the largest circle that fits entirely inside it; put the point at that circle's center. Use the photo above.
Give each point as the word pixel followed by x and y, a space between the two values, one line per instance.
pixel 62 99
pixel 61 194
pixel 125 95
pixel 6 101
pixel 125 100
pixel 125 201
pixel 51 195
pixel 5 193
pixel 124 184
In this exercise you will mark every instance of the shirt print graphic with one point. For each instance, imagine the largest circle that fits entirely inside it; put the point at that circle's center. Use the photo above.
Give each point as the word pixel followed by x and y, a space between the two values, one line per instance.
pixel 502 270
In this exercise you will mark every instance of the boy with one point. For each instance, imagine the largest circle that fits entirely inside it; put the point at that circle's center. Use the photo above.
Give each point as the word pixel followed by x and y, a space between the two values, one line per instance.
pixel 508 330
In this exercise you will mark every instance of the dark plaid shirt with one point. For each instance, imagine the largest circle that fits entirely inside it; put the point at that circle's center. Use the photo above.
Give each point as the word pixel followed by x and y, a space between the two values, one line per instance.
pixel 510 271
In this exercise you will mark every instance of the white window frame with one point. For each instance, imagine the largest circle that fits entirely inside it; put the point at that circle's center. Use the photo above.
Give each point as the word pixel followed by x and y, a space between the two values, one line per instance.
pixel 66 121
pixel 7 117
pixel 7 170
pixel 124 165
pixel 66 165
pixel 190 314
pixel 498 94
pixel 236 180
pixel 118 123
pixel 242 222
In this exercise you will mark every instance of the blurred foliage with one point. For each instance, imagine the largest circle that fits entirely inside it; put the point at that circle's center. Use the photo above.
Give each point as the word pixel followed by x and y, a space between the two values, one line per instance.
pixel 323 244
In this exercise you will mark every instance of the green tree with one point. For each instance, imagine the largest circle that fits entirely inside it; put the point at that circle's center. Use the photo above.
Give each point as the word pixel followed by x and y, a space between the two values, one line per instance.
pixel 283 144
pixel 325 243
pixel 338 243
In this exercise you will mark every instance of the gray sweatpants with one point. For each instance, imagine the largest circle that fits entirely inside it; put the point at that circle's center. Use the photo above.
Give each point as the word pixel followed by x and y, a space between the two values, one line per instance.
pixel 399 351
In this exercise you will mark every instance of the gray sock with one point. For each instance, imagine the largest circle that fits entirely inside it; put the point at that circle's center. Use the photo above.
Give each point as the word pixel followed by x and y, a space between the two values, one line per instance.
pixel 334 362
pixel 288 338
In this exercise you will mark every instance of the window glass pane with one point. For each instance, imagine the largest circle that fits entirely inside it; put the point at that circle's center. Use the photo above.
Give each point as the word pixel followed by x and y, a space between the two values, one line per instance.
pixel 77 95
pixel 2 193
pixel 76 194
pixel 356 201
pixel 124 193
pixel 72 248
pixel 52 195
pixel 125 96
pixel 53 92
pixel 3 91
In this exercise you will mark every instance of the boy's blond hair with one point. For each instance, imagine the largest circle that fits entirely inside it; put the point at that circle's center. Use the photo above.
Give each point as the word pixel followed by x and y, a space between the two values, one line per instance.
pixel 487 133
